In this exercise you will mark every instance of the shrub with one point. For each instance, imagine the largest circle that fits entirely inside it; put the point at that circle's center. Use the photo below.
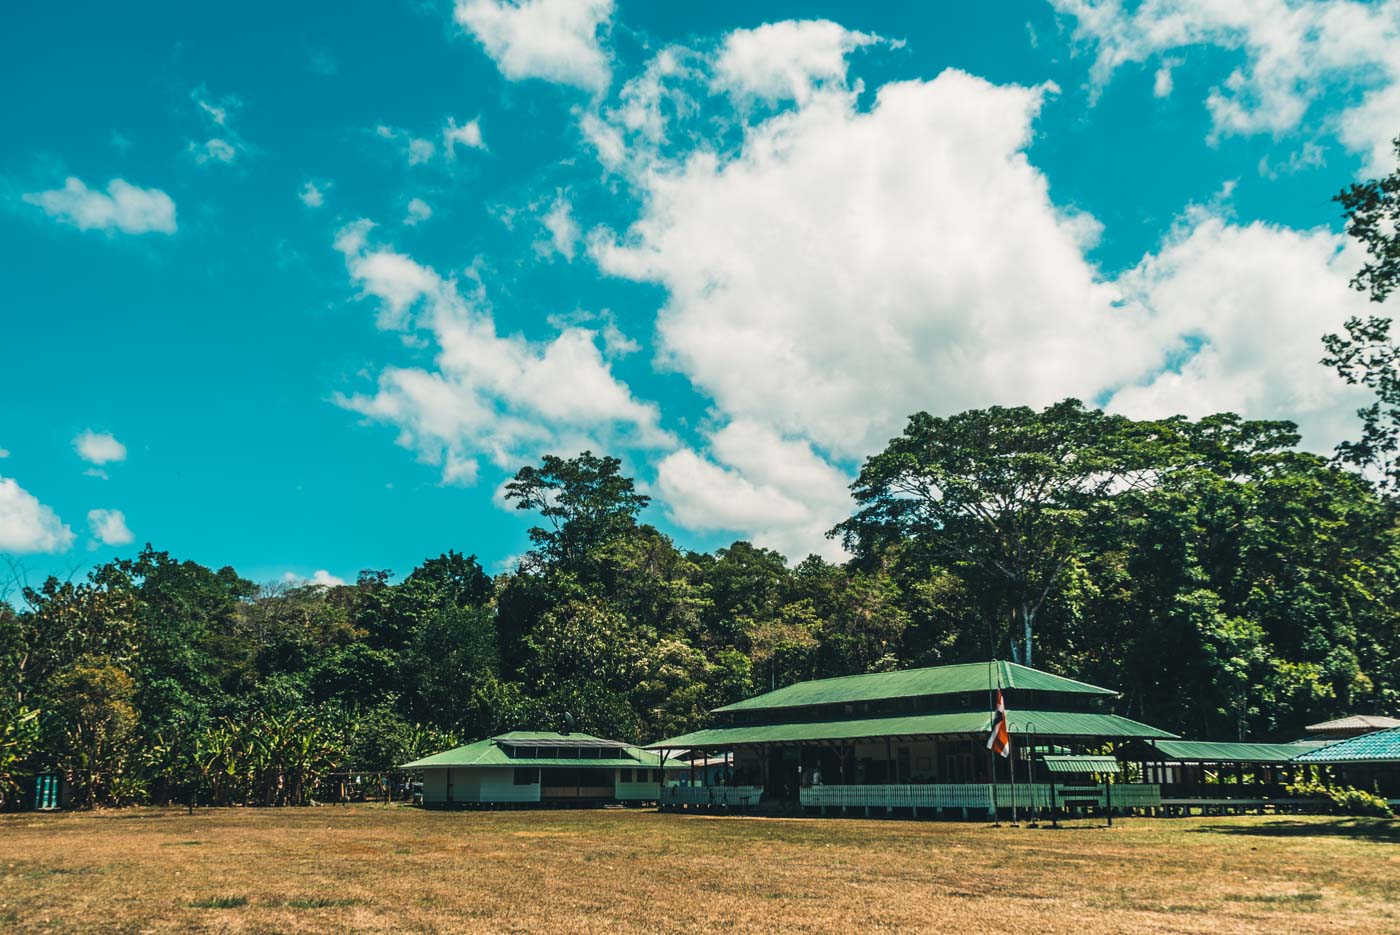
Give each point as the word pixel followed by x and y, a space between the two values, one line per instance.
pixel 1348 801
pixel 1344 800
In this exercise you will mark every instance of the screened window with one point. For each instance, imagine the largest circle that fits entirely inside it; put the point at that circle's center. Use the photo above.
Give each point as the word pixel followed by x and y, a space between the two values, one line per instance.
pixel 626 775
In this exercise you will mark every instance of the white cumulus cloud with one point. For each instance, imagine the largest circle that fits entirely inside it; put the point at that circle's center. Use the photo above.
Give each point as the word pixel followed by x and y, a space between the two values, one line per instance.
pixel 1291 53
pixel 557 40
pixel 848 265
pixel 418 212
pixel 1242 308
pixel 311 195
pixel 421 150
pixel 26 525
pixel 563 230
pixel 224 145
pixel 320 578
pixel 503 397
pixel 122 207
pixel 468 135
pixel 776 491
pixel 99 447
pixel 109 527
pixel 786 60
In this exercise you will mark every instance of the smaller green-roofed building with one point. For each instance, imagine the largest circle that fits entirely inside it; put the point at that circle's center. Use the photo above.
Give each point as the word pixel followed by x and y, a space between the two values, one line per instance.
pixel 1382 746
pixel 1370 762
pixel 543 768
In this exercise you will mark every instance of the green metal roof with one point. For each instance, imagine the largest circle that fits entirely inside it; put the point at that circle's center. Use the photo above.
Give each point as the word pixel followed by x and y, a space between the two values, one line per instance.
pixel 576 739
pixel 1081 764
pixel 1205 751
pixel 909 683
pixel 1041 723
pixel 492 752
pixel 1383 746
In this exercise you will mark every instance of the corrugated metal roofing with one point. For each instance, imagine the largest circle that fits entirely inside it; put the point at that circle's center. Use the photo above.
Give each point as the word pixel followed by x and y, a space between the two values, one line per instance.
pixel 550 736
pixel 1383 746
pixel 491 752
pixel 910 683
pixel 1206 751
pixel 1357 722
pixel 1081 764
pixel 1042 724
pixel 571 742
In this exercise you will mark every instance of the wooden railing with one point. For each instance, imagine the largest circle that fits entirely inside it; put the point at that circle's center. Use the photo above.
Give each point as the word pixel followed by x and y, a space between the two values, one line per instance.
pixel 576 792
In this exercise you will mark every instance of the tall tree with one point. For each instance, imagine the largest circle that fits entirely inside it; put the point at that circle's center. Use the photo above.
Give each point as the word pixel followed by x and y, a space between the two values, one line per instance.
pixel 1366 353
pixel 1004 490
pixel 586 501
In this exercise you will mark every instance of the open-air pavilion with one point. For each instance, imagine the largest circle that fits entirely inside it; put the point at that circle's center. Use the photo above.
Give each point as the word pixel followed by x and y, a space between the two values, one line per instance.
pixel 1215 776
pixel 912 741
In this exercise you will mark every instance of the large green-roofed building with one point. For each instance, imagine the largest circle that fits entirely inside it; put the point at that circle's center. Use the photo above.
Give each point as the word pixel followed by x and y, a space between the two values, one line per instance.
pixel 972 677
pixel 924 728
pixel 541 767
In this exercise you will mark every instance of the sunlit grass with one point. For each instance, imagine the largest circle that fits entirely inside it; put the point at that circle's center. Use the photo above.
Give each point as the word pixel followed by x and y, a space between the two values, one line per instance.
pixel 372 868
pixel 220 902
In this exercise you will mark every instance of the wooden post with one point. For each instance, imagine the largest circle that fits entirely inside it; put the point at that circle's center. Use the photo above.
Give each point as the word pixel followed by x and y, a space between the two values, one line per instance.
pixel 992 778
pixel 763 764
pixel 1011 767
pixel 1108 798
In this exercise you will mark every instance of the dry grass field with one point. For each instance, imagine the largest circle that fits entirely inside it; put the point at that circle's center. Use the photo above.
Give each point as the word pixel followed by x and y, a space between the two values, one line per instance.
pixel 377 868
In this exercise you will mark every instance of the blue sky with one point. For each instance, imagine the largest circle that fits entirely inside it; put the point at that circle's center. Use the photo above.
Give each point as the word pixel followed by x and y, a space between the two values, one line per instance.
pixel 297 288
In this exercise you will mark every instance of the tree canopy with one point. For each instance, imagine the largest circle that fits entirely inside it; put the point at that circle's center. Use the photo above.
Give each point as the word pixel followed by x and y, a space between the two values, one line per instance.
pixel 1231 585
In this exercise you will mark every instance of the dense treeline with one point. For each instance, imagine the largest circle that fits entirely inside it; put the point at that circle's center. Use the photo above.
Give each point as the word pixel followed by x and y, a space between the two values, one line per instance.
pixel 1229 584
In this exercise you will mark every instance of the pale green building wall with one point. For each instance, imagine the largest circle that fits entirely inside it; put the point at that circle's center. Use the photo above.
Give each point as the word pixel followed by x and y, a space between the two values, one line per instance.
pixel 476 784
pixel 487 785
pixel 638 791
pixel 497 784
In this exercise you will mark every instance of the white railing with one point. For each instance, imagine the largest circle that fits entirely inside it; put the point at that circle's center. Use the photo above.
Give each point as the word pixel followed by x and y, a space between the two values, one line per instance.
pixel 734 796
pixel 1137 795
pixel 975 795
pixel 962 795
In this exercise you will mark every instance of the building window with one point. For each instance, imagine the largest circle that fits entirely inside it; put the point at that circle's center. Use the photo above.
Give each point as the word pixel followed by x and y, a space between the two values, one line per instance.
pixel 526 776
pixel 626 775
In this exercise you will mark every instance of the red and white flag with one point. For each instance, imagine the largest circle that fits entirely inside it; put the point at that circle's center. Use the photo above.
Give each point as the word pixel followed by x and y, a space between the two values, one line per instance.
pixel 1000 740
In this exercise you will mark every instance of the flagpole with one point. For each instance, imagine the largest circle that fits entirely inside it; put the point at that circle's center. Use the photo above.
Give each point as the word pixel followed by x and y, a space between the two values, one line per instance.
pixel 991 757
pixel 1011 756
pixel 1011 765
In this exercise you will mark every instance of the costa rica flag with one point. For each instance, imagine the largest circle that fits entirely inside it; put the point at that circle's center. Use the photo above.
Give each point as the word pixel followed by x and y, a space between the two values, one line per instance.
pixel 999 742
